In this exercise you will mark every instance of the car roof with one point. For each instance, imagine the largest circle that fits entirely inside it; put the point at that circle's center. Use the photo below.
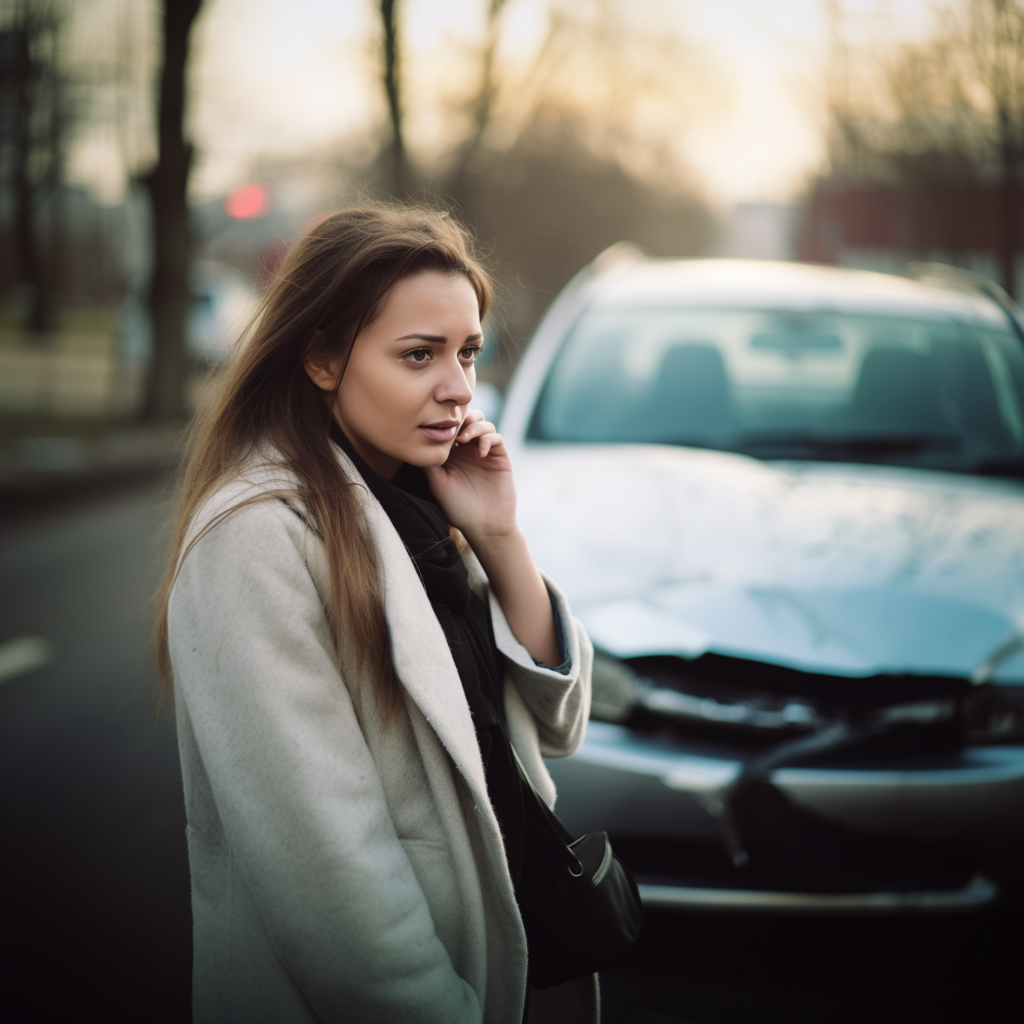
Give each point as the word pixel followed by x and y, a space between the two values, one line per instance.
pixel 765 284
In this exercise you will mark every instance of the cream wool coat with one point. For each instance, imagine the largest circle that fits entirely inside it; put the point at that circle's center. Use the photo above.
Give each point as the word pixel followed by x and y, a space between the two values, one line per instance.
pixel 341 871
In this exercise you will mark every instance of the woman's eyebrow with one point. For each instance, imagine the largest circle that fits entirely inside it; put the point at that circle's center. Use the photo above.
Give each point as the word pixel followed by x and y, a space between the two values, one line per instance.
pixel 439 338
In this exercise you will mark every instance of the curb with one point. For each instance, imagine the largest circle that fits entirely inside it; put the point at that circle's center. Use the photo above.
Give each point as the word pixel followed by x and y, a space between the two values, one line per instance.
pixel 42 471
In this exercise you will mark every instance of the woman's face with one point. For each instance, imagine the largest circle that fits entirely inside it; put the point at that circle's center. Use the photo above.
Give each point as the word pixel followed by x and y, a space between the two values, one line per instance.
pixel 410 377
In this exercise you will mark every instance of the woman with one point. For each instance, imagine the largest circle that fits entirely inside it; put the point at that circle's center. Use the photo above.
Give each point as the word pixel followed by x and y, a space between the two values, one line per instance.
pixel 348 685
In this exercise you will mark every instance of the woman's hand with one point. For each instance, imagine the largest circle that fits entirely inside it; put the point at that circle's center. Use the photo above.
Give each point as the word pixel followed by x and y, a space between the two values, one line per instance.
pixel 475 487
pixel 476 491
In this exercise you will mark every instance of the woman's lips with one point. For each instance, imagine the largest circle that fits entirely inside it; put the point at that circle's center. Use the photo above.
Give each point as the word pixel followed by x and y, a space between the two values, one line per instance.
pixel 441 431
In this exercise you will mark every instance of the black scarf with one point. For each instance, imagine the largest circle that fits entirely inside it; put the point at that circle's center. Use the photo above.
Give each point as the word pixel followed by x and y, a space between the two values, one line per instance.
pixel 467 627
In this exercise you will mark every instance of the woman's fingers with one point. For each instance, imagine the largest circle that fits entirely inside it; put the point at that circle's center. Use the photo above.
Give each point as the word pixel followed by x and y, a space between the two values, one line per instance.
pixel 489 443
pixel 477 429
pixel 487 439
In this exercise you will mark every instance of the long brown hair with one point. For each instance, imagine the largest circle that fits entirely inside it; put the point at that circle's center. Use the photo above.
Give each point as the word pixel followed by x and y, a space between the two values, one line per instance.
pixel 331 286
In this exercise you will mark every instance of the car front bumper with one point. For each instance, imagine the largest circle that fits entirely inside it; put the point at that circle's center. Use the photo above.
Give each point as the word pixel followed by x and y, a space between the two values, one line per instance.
pixel 629 783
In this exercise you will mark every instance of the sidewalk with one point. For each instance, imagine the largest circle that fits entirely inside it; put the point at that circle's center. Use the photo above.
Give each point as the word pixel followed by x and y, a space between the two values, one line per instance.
pixel 36 470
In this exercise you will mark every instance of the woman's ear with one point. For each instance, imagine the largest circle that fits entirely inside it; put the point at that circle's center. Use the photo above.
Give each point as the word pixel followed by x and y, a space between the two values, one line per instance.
pixel 323 369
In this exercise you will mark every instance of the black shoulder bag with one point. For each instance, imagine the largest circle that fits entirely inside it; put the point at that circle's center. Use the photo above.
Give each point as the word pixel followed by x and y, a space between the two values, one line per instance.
pixel 581 907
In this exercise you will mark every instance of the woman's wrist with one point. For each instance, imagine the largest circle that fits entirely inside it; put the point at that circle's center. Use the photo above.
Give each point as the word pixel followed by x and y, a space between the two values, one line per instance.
pixel 494 541
pixel 520 590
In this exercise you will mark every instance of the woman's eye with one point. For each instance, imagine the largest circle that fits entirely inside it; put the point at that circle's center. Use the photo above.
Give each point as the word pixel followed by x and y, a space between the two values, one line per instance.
pixel 419 355
pixel 471 352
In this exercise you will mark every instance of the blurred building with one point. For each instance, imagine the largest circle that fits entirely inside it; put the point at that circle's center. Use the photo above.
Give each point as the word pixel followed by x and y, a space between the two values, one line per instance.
pixel 880 226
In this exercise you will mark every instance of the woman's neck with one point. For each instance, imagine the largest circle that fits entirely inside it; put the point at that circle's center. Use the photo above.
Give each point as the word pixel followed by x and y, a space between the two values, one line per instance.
pixel 386 465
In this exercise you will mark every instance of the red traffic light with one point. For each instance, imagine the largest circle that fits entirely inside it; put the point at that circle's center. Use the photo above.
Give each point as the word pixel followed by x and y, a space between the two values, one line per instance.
pixel 248 202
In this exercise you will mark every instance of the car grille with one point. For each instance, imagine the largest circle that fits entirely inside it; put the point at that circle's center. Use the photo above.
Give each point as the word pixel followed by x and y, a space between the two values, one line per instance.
pixel 760 705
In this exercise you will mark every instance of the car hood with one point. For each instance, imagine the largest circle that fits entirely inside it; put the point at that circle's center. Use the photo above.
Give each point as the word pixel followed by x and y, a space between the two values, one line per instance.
pixel 843 569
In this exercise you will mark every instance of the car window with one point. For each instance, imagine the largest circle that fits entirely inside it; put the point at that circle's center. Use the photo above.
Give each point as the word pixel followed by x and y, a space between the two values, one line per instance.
pixel 790 384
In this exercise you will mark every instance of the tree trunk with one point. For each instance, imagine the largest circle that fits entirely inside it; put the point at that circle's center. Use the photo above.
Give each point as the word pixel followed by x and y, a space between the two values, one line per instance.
pixel 32 270
pixel 167 185
pixel 464 183
pixel 1008 212
pixel 392 90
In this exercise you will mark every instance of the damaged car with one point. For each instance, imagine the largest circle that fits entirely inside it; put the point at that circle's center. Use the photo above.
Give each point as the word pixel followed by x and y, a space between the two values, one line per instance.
pixel 787 502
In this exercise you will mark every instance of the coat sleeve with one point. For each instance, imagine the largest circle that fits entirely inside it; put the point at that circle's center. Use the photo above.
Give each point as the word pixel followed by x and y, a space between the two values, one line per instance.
pixel 558 699
pixel 295 786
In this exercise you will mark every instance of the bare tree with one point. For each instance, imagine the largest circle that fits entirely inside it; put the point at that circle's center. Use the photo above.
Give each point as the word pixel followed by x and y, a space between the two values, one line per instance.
pixel 625 87
pixel 167 184
pixel 482 108
pixel 35 103
pixel 993 34
pixel 933 116
pixel 392 89
pixel 559 155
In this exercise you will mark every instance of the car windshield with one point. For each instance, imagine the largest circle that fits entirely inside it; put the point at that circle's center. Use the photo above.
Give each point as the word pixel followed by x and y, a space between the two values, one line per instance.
pixel 854 388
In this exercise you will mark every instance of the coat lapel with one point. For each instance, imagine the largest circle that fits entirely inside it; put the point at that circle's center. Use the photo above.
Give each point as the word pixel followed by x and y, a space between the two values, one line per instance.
pixel 419 650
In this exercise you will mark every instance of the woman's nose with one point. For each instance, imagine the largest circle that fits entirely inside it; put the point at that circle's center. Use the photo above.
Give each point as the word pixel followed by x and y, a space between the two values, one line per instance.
pixel 455 386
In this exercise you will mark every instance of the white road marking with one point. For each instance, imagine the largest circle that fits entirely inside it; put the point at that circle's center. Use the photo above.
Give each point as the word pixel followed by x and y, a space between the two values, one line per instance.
pixel 22 655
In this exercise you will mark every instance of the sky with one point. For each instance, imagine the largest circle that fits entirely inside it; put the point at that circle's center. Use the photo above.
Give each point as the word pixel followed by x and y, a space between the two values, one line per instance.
pixel 275 78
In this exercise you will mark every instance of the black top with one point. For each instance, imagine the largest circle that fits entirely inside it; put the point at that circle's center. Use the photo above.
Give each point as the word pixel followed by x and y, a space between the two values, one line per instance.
pixel 467 627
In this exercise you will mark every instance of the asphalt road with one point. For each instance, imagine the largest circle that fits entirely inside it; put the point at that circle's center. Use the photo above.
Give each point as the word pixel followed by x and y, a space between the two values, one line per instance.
pixel 96 907
pixel 95 920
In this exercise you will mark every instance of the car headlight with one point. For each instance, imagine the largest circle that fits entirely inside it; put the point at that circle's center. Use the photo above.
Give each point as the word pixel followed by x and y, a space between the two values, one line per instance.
pixel 615 689
pixel 995 714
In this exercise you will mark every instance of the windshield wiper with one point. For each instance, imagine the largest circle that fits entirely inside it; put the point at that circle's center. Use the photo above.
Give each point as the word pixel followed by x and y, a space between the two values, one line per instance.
pixel 1006 465
pixel 838 446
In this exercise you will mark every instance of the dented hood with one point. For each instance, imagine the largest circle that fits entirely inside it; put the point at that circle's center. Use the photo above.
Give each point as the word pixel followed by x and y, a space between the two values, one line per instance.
pixel 844 569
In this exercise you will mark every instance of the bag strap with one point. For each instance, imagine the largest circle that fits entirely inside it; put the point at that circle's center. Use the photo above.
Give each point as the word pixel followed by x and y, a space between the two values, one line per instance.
pixel 554 824
pixel 524 774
